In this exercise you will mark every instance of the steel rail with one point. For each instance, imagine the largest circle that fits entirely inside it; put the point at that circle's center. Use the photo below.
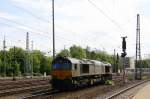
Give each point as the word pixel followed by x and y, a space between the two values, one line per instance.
pixel 126 89
pixel 49 93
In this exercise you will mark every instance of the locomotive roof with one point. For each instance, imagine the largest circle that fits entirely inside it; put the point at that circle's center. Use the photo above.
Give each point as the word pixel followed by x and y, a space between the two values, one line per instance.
pixel 84 61
pixel 74 60
pixel 77 61
pixel 87 61
pixel 97 62
pixel 106 63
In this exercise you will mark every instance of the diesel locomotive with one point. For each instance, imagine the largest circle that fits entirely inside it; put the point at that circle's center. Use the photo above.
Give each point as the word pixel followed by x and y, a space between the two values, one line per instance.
pixel 68 73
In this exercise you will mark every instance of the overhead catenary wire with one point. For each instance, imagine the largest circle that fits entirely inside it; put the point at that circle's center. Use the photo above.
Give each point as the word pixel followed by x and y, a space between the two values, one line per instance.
pixel 46 20
pixel 37 17
pixel 36 32
pixel 42 19
pixel 30 13
pixel 107 16
pixel 24 29
pixel 20 24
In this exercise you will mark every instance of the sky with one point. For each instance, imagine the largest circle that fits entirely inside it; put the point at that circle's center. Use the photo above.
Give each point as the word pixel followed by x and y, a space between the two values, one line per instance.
pixel 99 24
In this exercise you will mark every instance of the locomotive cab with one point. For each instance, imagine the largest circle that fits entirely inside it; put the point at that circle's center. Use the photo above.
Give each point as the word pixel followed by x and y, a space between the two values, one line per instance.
pixel 108 71
pixel 61 68
pixel 61 73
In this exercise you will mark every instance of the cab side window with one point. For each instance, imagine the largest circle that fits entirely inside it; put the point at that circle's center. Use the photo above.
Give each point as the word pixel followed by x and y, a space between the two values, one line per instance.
pixel 75 66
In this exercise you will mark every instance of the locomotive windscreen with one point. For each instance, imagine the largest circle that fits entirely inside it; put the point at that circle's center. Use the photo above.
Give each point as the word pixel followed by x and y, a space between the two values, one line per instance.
pixel 56 66
pixel 61 65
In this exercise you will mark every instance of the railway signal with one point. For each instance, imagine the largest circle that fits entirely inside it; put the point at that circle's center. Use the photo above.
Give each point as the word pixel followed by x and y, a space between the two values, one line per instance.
pixel 123 56
pixel 117 63
pixel 114 65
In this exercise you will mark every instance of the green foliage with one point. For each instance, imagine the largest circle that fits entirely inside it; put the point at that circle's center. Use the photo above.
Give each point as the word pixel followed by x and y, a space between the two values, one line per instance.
pixel 130 77
pixel 16 61
pixel 40 63
pixel 80 53
pixel 45 65
pixel 144 63
pixel 16 69
pixel 19 56
pixel 88 52
pixel 109 82
pixel 77 52
pixel 100 55
pixel 36 58
pixel 64 53
pixel 0 67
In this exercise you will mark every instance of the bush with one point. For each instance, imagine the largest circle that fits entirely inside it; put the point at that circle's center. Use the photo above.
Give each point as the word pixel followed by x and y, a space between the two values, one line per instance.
pixel 109 82
pixel 37 74
pixel 130 77
pixel 144 77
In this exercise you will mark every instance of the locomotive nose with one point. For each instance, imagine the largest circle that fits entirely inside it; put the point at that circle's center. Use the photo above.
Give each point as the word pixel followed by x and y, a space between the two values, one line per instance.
pixel 62 74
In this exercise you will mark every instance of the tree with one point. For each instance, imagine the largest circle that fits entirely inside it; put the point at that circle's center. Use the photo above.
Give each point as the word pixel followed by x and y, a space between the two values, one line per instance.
pixel 36 57
pixel 16 62
pixel 18 55
pixel 16 69
pixel 64 53
pixel 1 66
pixel 45 66
pixel 88 53
pixel 93 55
pixel 77 52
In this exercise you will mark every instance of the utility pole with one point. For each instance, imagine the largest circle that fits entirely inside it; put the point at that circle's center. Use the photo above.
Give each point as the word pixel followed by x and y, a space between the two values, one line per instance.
pixel 32 45
pixel 27 51
pixel 32 58
pixel 114 67
pixel 4 53
pixel 53 19
pixel 14 63
pixel 27 42
pixel 138 50
pixel 123 56
pixel 64 47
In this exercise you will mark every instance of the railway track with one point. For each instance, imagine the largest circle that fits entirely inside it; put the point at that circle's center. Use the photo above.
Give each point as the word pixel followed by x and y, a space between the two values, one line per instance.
pixel 21 85
pixel 17 87
pixel 10 82
pixel 54 93
pixel 119 94
pixel 39 95
pixel 45 91
pixel 21 90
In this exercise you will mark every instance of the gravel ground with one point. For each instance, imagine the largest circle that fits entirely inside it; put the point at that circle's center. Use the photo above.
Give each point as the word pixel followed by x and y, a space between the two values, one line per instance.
pixel 85 93
pixel 95 92
pixel 143 93
pixel 22 87
pixel 131 93
pixel 16 96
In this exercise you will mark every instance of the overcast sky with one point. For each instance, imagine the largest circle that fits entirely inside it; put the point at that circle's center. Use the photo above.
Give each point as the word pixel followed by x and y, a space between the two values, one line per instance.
pixel 100 24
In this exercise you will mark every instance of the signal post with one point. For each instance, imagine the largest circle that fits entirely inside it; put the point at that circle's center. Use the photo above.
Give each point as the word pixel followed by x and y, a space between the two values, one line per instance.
pixel 123 54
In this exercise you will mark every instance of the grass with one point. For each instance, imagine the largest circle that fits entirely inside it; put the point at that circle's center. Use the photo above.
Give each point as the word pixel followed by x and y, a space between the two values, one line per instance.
pixel 109 82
